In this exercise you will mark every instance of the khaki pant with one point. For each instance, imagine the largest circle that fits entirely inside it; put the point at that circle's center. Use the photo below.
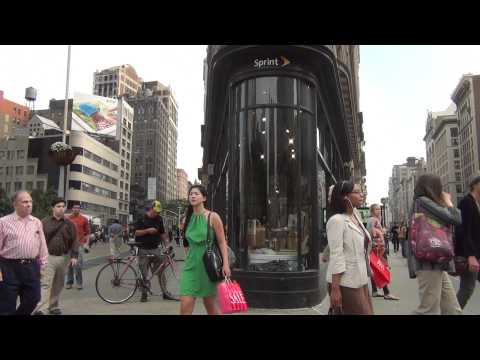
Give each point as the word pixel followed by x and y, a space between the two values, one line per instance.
pixel 52 280
pixel 437 295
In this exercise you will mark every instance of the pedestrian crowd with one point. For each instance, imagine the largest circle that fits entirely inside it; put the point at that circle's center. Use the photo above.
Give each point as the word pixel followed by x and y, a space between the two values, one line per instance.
pixel 439 241
pixel 39 257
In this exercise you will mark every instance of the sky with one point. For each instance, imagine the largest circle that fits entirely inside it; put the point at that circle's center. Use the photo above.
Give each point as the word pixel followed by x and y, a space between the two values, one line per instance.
pixel 45 68
pixel 398 85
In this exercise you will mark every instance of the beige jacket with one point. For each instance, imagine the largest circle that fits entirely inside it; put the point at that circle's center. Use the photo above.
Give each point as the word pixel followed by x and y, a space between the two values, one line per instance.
pixel 347 251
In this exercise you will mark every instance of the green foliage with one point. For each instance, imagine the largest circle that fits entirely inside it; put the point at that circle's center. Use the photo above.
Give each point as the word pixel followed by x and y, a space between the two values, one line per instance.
pixel 42 202
pixel 5 204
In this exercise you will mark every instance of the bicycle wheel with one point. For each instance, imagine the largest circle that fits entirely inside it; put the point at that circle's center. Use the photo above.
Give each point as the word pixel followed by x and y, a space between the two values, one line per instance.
pixel 170 279
pixel 116 282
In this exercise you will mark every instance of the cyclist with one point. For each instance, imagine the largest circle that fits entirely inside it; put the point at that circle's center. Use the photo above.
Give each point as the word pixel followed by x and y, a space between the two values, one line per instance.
pixel 150 232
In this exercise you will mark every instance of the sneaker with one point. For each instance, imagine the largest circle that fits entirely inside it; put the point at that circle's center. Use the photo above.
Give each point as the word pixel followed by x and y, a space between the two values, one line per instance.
pixel 390 297
pixel 68 286
pixel 55 312
pixel 376 294
pixel 144 298
pixel 79 287
pixel 166 297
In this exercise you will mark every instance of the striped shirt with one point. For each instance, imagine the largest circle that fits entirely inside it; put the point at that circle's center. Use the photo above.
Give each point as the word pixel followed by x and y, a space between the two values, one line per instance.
pixel 22 238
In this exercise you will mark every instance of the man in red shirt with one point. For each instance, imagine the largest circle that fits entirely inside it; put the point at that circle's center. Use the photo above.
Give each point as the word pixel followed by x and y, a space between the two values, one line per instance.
pixel 83 233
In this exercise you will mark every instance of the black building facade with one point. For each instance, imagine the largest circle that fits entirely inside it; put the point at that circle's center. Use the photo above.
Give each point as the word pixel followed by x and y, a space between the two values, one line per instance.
pixel 276 135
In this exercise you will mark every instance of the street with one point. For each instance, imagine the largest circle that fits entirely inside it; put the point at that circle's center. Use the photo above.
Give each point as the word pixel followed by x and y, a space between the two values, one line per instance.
pixel 87 302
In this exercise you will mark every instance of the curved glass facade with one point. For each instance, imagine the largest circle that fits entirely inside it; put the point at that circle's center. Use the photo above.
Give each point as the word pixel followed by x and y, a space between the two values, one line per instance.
pixel 276 127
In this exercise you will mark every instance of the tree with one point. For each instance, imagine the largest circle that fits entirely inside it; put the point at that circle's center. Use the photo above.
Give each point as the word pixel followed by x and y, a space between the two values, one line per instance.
pixel 5 204
pixel 42 202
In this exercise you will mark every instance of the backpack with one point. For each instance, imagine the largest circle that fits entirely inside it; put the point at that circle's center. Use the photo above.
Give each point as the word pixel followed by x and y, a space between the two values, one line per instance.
pixel 430 240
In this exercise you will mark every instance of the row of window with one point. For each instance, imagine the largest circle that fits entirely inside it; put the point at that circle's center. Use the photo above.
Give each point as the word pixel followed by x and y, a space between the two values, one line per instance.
pixel 20 185
pixel 99 160
pixel 10 154
pixel 97 190
pixel 19 111
pixel 88 171
pixel 95 208
pixel 19 170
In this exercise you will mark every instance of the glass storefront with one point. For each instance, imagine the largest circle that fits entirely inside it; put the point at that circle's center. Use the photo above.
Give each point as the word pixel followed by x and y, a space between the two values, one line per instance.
pixel 276 127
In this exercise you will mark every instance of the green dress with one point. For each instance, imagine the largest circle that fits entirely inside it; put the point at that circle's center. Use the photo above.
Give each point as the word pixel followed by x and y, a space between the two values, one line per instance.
pixel 194 280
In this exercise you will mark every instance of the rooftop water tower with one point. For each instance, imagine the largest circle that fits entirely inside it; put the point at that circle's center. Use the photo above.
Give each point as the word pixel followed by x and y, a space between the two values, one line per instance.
pixel 31 96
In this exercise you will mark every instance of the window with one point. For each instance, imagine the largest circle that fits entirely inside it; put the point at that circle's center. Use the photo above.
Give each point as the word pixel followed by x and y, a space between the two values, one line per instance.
pixel 453 132
pixel 2 155
pixel 41 185
pixel 18 185
pixel 126 197
pixel 457 164
pixel 8 187
pixel 458 177
pixel 10 155
pixel 29 185
pixel 459 189
pixel 120 206
pixel 20 154
pixel 123 163
pixel 121 196
pixel 456 153
pixel 19 170
pixel 9 170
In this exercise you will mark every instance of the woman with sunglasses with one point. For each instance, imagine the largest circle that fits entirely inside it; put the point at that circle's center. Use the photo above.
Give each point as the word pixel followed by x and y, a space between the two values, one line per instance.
pixel 349 244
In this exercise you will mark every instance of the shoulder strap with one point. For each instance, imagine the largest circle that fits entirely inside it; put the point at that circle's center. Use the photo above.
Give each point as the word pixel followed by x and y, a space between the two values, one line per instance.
pixel 208 228
pixel 52 235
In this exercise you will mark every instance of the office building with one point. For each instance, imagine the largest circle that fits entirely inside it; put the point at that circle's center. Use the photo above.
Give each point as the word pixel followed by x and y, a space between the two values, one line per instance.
pixel 466 97
pixel 116 81
pixel 182 184
pixel 443 153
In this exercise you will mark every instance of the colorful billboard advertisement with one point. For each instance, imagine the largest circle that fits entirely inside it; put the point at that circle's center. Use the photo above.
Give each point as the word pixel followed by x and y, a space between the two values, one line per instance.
pixel 95 114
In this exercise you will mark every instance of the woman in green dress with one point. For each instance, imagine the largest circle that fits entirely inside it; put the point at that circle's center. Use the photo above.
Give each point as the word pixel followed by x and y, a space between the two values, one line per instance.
pixel 194 282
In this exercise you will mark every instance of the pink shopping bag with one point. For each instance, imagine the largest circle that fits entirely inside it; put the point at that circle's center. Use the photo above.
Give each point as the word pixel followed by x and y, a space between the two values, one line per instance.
pixel 230 297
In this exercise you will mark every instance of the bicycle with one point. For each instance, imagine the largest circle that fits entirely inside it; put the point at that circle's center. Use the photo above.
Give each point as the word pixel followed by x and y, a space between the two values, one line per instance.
pixel 117 281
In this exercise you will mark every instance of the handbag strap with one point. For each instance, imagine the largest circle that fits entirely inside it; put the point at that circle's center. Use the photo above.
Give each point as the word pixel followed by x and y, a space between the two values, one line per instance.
pixel 208 230
pixel 55 232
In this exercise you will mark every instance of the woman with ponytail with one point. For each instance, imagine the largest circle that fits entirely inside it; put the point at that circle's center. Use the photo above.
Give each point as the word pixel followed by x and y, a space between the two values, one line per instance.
pixel 349 244
pixel 194 282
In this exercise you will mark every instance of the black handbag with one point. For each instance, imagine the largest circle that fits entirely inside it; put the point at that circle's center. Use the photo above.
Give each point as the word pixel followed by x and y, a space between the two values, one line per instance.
pixel 212 258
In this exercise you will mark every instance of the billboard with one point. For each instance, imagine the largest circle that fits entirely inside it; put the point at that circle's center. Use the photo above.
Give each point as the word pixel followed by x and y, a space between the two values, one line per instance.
pixel 95 114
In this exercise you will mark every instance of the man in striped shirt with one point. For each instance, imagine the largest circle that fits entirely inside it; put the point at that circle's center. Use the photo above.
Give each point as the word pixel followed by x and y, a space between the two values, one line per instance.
pixel 23 251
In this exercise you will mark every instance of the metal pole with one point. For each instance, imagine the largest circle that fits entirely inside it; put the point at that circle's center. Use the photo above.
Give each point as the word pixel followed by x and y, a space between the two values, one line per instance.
pixel 62 188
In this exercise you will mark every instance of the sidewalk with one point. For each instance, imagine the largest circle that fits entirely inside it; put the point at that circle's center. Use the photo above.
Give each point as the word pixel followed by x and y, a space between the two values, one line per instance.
pixel 402 286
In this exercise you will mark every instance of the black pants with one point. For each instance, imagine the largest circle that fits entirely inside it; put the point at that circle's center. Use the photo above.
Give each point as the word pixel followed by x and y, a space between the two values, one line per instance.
pixel 396 244
pixel 19 280
pixel 467 286
pixel 404 248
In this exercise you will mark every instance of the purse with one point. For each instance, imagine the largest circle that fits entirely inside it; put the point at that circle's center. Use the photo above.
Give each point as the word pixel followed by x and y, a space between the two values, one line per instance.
pixel 212 258
pixel 430 240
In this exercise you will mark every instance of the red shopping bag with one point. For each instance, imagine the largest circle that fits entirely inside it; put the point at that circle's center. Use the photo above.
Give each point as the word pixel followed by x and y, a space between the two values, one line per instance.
pixel 380 272
pixel 230 297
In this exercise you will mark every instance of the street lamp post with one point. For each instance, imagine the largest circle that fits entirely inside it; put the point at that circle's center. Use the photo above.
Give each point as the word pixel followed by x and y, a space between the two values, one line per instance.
pixel 62 187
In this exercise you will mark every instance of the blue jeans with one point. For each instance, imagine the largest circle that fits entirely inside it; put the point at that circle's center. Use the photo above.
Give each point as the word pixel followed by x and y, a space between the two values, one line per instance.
pixel 76 271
